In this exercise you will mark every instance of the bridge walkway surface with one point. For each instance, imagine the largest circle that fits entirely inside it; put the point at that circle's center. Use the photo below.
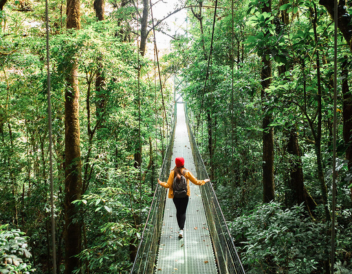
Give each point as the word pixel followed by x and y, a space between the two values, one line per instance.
pixel 193 253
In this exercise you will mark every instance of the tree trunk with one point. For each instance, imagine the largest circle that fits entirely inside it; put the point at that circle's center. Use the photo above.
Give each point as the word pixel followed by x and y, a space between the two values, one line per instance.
pixel 318 131
pixel 268 132
pixel 99 9
pixel 2 4
pixel 144 25
pixel 299 193
pixel 73 168
pixel 344 18
pixel 285 17
pixel 347 114
pixel 296 179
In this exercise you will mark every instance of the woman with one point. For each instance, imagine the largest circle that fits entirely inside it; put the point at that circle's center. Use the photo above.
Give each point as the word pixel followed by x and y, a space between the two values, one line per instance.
pixel 181 203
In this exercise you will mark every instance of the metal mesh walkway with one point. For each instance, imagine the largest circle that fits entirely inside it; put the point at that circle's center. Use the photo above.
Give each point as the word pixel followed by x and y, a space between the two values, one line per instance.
pixel 194 253
pixel 206 231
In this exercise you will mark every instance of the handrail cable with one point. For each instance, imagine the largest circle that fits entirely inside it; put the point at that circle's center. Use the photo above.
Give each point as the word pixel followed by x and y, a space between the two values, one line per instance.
pixel 159 191
pixel 157 58
pixel 334 144
pixel 50 137
pixel 213 210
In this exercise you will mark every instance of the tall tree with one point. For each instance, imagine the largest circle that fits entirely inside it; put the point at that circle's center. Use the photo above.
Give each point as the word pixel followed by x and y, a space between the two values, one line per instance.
pixel 317 134
pixel 345 26
pixel 144 26
pixel 298 194
pixel 100 79
pixel 73 177
pixel 347 114
pixel 268 131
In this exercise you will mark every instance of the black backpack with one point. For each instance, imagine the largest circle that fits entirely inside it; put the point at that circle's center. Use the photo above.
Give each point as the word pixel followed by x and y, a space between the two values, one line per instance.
pixel 180 187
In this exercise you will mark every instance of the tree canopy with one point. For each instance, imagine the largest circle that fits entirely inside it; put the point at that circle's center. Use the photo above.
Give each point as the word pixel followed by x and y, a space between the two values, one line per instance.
pixel 257 76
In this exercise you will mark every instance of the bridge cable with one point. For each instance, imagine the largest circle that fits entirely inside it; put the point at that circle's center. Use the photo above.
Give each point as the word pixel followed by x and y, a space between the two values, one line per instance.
pixel 209 58
pixel 232 99
pixel 334 144
pixel 50 138
pixel 157 59
pixel 139 121
pixel 155 110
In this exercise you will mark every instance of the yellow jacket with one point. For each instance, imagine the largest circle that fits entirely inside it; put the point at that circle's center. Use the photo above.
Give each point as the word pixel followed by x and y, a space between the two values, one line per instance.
pixel 188 176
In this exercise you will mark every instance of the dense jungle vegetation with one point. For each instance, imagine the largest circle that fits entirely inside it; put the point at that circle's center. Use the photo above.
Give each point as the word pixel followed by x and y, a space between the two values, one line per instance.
pixel 260 90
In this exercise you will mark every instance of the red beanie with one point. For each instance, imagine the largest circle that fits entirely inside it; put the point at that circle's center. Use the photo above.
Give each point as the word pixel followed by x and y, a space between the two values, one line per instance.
pixel 179 161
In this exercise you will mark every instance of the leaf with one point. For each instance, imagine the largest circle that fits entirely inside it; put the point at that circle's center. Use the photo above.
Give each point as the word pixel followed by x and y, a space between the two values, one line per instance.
pixel 108 209
pixel 285 6
pixel 251 39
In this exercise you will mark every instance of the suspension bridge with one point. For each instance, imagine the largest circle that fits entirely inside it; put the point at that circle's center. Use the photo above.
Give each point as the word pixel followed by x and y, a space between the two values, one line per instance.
pixel 207 246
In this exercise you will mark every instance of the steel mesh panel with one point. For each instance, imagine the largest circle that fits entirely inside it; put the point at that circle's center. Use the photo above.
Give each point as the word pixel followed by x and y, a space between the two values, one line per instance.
pixel 225 251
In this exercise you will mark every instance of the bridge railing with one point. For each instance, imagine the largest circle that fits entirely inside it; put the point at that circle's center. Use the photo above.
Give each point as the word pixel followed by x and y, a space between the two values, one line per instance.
pixel 225 251
pixel 148 246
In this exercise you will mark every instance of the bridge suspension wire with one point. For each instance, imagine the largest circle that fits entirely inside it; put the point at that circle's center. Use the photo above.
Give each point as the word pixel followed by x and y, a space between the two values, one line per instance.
pixel 209 58
pixel 155 109
pixel 50 137
pixel 139 120
pixel 232 99
pixel 157 58
pixel 334 143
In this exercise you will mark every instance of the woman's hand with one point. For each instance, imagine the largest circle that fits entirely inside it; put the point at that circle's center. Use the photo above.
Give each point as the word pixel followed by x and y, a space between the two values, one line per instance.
pixel 206 180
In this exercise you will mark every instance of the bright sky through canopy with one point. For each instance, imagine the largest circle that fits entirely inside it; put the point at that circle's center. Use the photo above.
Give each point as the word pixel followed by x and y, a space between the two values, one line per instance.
pixel 176 23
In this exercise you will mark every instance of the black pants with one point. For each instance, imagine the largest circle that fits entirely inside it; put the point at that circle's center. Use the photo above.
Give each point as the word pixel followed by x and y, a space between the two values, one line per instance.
pixel 181 207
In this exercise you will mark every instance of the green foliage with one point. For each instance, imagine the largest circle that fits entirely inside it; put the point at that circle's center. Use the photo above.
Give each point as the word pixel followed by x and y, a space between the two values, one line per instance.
pixel 111 230
pixel 109 125
pixel 14 251
pixel 226 117
pixel 286 237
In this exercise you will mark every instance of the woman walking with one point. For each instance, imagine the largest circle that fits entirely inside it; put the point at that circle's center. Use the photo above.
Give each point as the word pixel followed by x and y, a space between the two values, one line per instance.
pixel 178 183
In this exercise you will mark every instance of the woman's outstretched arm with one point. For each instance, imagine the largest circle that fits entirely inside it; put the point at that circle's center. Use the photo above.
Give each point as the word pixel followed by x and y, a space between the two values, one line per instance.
pixel 194 179
pixel 169 182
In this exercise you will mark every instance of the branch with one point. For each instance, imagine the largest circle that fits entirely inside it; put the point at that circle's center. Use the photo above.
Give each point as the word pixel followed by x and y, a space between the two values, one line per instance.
pixel 135 6
pixel 162 20
pixel 157 3
pixel 163 32
pixel 208 7
pixel 194 13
